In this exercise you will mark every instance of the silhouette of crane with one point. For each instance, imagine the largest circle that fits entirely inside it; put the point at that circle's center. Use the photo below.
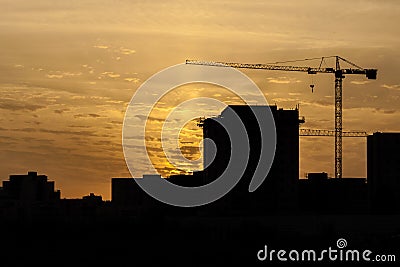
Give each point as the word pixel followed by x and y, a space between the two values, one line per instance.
pixel 339 76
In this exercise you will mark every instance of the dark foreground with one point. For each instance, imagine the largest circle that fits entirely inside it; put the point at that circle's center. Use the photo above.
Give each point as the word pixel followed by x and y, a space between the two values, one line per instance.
pixel 193 240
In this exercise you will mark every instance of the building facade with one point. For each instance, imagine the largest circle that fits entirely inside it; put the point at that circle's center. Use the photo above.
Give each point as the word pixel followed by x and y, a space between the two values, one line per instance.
pixel 383 172
pixel 279 190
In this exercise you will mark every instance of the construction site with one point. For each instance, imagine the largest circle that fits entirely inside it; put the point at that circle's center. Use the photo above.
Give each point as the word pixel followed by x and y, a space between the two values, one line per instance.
pixel 283 190
pixel 339 74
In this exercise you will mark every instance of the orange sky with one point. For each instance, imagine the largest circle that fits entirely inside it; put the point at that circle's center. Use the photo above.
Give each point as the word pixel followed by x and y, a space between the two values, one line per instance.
pixel 68 70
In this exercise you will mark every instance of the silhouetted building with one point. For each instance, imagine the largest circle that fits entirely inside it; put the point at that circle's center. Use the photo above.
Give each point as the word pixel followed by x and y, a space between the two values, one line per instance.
pixel 29 188
pixel 28 195
pixel 317 176
pixel 383 172
pixel 319 194
pixel 125 192
pixel 194 180
pixel 128 198
pixel 279 190
pixel 92 198
pixel 85 209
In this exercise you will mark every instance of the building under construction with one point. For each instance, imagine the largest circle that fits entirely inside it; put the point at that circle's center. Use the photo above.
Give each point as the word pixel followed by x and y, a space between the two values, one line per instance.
pixel 279 190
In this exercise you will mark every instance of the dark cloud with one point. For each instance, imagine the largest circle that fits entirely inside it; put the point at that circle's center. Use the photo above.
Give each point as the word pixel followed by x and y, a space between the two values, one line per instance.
pixel 33 122
pixel 28 130
pixel 134 146
pixel 61 111
pixel 17 105
pixel 116 122
pixel 187 142
pixel 191 152
pixel 84 133
pixel 386 111
pixel 148 118
pixel 104 142
pixel 134 137
pixel 152 138
pixel 38 140
pixel 79 126
pixel 90 115
pixel 152 150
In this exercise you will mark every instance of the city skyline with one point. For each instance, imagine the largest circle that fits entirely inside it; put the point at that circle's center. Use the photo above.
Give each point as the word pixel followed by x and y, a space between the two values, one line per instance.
pixel 33 196
pixel 69 70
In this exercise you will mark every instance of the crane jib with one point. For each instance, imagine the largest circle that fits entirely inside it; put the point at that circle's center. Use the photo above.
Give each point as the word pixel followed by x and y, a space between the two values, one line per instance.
pixel 370 73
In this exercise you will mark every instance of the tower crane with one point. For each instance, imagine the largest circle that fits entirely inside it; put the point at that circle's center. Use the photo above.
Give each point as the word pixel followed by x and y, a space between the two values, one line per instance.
pixel 339 74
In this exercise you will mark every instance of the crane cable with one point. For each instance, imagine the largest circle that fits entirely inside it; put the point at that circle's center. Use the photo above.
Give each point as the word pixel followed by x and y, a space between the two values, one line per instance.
pixel 299 60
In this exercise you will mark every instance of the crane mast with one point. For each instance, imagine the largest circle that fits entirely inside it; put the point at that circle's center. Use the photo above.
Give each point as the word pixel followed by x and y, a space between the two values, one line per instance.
pixel 338 119
pixel 339 76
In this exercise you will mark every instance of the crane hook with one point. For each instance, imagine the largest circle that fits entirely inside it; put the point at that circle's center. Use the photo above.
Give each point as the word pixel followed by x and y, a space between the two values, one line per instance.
pixel 312 88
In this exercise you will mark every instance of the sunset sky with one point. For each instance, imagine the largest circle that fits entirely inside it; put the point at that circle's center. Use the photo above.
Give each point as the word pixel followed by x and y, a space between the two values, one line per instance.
pixel 69 68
